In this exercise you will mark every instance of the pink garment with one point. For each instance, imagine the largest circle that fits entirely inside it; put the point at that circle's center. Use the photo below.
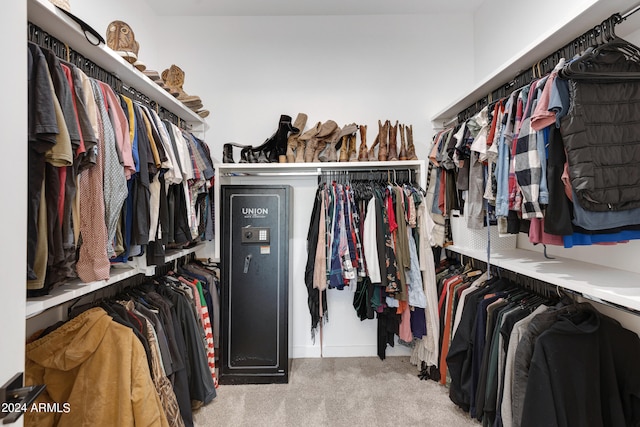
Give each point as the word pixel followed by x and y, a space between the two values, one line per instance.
pixel 93 262
pixel 537 234
pixel 542 117
pixel 120 129
pixel 404 332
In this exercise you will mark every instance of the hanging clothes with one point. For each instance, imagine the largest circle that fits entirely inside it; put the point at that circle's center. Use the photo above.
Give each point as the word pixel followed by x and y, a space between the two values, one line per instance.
pixel 108 179
pixel 370 237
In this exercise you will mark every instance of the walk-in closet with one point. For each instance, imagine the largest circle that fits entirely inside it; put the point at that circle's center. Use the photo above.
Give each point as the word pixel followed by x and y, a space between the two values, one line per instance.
pixel 328 214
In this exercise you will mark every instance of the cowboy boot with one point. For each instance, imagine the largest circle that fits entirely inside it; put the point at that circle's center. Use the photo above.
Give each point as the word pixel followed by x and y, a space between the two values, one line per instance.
pixel 122 40
pixel 402 155
pixel 344 149
pixel 333 140
pixel 292 141
pixel 326 136
pixel 372 154
pixel 307 144
pixel 353 157
pixel 174 79
pixel 383 133
pixel 393 143
pixel 411 149
pixel 342 141
pixel 363 153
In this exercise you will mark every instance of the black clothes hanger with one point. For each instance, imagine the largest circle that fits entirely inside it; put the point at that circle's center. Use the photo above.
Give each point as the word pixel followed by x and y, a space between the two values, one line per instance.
pixel 609 57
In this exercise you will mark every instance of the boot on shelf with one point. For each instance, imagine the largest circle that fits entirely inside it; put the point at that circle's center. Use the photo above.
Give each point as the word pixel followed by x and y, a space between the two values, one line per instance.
pixel 411 149
pixel 174 79
pixel 372 153
pixel 353 155
pixel 275 147
pixel 344 139
pixel 307 143
pixel 363 152
pixel 383 133
pixel 292 141
pixel 344 149
pixel 327 136
pixel 227 152
pixel 393 143
pixel 402 155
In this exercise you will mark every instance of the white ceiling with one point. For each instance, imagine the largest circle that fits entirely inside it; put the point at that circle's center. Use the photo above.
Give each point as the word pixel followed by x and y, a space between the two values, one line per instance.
pixel 310 7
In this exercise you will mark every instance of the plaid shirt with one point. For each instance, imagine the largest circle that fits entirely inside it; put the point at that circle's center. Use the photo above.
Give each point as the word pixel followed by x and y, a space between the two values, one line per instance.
pixel 528 167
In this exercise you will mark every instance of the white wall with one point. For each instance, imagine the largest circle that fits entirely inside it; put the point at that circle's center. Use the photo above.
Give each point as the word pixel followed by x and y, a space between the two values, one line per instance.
pixel 356 68
pixel 140 17
pixel 249 70
pixel 13 121
pixel 504 29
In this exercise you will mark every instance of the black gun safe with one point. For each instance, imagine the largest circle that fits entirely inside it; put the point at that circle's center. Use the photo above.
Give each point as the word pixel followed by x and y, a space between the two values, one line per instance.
pixel 255 303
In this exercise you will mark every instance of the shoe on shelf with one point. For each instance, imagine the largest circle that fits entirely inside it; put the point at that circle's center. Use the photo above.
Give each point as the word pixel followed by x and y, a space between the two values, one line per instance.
pixel 293 140
pixel 122 40
pixel 363 152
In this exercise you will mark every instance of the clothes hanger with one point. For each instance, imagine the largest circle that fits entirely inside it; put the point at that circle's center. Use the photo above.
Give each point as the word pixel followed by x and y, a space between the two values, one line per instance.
pixel 595 62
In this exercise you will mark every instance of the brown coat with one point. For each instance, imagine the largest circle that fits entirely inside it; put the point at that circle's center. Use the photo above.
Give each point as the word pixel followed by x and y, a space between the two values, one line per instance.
pixel 99 368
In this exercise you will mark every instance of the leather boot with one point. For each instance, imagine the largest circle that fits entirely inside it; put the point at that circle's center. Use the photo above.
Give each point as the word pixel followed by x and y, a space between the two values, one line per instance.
pixel 383 133
pixel 363 152
pixel 227 153
pixel 392 155
pixel 326 136
pixel 344 149
pixel 292 141
pixel 402 155
pixel 282 135
pixel 276 145
pixel 307 144
pixel 372 153
pixel 411 149
pixel 247 155
pixel 353 156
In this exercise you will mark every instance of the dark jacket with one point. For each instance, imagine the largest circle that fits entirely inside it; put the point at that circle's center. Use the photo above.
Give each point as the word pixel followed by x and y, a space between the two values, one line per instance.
pixel 600 133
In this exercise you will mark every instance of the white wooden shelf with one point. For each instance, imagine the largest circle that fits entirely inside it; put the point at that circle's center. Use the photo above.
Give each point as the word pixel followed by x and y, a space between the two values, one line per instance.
pixel 594 282
pixel 45 15
pixel 317 167
pixel 76 289
pixel 232 173
pixel 592 14
pixel 118 273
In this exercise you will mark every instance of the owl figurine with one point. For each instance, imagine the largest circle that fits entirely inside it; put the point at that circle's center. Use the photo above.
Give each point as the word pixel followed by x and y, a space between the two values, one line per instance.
pixel 122 40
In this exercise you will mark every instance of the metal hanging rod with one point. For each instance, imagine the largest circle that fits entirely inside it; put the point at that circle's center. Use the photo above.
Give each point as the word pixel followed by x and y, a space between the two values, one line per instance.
pixel 66 53
pixel 558 288
pixel 629 12
pixel 540 68
pixel 322 171
pixel 294 173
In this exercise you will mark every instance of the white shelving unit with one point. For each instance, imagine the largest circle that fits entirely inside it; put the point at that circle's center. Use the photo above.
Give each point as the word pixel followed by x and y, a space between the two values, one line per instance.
pixel 45 15
pixel 118 273
pixel 596 283
pixel 232 173
pixel 547 43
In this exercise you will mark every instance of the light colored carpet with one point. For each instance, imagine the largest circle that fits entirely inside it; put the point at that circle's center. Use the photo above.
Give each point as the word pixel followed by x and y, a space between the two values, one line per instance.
pixel 338 392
